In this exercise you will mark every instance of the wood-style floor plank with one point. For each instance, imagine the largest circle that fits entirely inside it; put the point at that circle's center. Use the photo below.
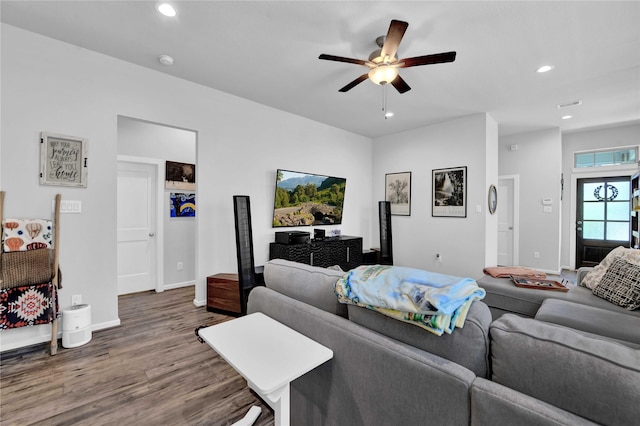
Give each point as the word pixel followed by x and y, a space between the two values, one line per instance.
pixel 151 370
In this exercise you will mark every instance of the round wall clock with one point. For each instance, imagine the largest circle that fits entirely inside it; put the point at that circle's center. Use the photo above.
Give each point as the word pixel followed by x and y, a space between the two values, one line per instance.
pixel 492 199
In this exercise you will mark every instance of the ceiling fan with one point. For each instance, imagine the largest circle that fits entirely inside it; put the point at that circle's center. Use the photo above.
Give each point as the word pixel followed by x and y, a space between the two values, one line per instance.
pixel 383 64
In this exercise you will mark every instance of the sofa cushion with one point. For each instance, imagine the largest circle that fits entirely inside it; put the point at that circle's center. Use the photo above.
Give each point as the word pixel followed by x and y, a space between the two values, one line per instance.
pixel 497 405
pixel 504 296
pixel 309 284
pixel 620 284
pixel 371 379
pixel 600 322
pixel 566 368
pixel 467 346
pixel 592 279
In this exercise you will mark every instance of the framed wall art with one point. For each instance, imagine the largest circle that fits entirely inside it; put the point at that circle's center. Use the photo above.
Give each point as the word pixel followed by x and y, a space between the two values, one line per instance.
pixel 180 176
pixel 63 160
pixel 398 192
pixel 182 205
pixel 449 198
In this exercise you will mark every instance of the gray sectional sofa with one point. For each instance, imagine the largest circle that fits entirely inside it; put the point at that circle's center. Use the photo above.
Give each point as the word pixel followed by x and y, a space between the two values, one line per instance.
pixel 511 371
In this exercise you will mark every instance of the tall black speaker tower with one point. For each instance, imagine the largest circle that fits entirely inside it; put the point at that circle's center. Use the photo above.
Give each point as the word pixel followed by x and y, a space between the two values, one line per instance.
pixel 386 243
pixel 244 247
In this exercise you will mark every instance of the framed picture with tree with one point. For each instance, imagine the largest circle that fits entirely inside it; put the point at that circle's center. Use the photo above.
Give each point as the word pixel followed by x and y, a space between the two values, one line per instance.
pixel 449 192
pixel 397 191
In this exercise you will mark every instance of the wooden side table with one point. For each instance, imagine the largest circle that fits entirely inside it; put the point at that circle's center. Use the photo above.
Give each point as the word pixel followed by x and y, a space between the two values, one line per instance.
pixel 223 293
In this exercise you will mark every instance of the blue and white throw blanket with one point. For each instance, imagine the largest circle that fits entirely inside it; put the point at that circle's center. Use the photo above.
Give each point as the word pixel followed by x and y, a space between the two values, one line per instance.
pixel 433 301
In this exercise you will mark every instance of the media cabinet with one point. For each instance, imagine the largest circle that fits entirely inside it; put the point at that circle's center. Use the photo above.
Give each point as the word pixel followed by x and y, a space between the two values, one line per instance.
pixel 344 251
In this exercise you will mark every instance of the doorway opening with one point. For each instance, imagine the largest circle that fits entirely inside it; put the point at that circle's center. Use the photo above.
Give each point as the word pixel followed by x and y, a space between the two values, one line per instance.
pixel 164 247
pixel 508 220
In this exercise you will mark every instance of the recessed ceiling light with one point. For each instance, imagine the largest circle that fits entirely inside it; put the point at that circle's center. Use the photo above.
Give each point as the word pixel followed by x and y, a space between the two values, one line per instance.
pixel 165 59
pixel 566 117
pixel 166 9
pixel 545 68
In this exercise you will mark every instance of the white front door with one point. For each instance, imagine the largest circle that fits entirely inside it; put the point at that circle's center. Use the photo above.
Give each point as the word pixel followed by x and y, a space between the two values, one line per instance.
pixel 506 223
pixel 136 219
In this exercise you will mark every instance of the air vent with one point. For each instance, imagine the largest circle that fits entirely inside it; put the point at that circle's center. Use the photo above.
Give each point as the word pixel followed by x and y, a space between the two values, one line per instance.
pixel 569 104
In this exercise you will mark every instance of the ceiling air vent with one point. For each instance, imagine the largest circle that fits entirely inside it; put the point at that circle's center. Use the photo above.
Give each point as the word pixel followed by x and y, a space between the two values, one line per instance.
pixel 569 104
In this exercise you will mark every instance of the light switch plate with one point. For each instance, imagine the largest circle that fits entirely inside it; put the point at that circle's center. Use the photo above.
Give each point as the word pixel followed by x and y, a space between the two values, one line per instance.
pixel 70 206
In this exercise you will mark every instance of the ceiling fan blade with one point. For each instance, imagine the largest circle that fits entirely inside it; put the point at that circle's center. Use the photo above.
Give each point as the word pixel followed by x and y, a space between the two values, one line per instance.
pixel 438 58
pixel 400 85
pixel 394 37
pixel 354 83
pixel 342 59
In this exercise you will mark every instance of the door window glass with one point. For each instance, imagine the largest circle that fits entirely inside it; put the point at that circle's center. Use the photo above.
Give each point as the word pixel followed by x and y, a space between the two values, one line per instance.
pixel 605 210
pixel 593 230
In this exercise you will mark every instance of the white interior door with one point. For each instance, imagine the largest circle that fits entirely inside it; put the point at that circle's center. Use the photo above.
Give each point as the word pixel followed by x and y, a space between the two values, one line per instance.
pixel 506 221
pixel 137 220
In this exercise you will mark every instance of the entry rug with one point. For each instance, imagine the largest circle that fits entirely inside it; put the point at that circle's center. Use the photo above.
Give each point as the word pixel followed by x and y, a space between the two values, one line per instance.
pixel 27 305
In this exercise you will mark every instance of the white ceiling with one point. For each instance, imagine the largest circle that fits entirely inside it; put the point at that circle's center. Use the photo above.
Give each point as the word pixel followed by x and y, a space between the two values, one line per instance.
pixel 267 51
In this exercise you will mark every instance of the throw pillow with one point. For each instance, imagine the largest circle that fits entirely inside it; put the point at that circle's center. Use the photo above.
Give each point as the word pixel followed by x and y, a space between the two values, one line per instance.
pixel 621 284
pixel 592 279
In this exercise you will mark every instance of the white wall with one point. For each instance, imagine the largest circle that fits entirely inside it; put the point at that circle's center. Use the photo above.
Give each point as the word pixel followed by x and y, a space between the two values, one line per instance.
pixel 538 163
pixel 610 137
pixel 54 86
pixel 149 140
pixel 462 242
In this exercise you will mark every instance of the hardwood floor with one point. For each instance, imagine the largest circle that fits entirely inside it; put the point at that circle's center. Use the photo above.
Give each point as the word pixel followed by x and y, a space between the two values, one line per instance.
pixel 151 370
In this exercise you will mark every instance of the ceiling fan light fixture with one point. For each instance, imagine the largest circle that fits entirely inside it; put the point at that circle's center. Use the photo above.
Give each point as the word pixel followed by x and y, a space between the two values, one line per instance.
pixel 383 74
pixel 166 9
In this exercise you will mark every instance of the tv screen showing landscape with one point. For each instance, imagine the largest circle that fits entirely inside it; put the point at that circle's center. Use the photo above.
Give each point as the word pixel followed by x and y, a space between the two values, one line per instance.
pixel 305 199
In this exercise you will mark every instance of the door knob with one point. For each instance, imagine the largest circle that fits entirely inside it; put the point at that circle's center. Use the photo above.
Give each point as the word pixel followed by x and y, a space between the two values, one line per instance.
pixel 151 234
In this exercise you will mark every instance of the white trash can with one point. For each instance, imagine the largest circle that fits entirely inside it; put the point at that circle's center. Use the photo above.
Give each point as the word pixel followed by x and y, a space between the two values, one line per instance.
pixel 76 325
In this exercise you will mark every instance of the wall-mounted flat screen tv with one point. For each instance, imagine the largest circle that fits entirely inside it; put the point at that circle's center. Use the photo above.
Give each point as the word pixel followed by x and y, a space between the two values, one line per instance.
pixel 305 199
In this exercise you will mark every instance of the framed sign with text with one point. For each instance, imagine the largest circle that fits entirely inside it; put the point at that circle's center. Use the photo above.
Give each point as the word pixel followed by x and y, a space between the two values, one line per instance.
pixel 63 160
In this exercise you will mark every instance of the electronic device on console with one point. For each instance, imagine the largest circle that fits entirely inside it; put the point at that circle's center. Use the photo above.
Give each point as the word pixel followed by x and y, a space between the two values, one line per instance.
pixel 292 237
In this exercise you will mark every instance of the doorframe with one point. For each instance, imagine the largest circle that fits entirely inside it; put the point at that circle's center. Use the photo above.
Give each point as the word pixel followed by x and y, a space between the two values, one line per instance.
pixel 516 214
pixel 159 231
pixel 588 173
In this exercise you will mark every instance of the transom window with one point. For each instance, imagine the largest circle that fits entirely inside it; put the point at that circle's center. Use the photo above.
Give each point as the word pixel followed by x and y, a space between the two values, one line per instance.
pixel 612 157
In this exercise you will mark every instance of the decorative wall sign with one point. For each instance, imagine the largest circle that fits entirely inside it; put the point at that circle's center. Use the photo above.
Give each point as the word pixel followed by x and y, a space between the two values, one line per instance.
pixel 182 205
pixel 492 199
pixel 398 193
pixel 63 160
pixel 180 176
pixel 449 192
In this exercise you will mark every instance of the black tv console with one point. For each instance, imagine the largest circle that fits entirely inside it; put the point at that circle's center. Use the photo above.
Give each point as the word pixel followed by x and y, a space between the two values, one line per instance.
pixel 344 251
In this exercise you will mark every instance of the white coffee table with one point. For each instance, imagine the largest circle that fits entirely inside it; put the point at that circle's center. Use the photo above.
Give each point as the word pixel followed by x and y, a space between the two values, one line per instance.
pixel 268 354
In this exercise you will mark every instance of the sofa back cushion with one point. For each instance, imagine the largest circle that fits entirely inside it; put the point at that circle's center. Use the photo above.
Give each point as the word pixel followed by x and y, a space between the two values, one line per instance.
pixel 594 378
pixel 468 346
pixel 371 379
pixel 308 284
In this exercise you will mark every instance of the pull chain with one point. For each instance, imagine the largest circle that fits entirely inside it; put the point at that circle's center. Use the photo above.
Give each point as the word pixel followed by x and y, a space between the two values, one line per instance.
pixel 384 101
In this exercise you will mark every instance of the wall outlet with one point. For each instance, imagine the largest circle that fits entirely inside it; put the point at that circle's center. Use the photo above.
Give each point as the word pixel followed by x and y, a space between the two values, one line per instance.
pixel 180 266
pixel 536 255
pixel 76 299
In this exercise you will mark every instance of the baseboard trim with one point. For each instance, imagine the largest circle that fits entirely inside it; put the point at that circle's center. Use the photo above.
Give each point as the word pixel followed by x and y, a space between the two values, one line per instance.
pixel 199 303
pixel 44 338
pixel 179 285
